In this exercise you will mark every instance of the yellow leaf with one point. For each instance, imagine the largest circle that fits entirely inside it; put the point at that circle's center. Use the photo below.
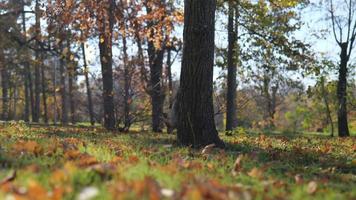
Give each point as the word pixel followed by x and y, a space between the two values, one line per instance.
pixel 256 173
pixel 312 187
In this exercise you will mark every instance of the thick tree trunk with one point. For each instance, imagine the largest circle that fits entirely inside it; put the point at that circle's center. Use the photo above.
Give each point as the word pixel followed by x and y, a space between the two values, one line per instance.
pixel 341 92
pixel 157 93
pixel 196 124
pixel 87 83
pixel 231 107
pixel 105 47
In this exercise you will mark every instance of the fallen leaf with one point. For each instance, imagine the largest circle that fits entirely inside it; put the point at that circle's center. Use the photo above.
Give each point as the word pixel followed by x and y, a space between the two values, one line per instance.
pixel 237 165
pixel 312 187
pixel 255 173
pixel 298 179
pixel 208 149
pixel 8 178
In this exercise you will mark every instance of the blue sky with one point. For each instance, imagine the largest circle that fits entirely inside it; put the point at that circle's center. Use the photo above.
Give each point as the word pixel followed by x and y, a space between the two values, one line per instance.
pixel 315 24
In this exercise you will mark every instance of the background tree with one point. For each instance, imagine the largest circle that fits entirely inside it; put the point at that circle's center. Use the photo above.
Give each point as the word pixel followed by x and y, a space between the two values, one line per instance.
pixel 343 20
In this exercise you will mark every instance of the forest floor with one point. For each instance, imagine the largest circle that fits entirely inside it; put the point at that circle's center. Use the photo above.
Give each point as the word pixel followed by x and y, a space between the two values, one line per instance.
pixel 82 163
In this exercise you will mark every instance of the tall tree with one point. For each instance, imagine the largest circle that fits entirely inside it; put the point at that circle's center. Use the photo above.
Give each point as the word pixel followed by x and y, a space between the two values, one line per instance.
pixel 155 57
pixel 343 21
pixel 87 84
pixel 231 113
pixel 195 108
pixel 38 62
pixel 105 46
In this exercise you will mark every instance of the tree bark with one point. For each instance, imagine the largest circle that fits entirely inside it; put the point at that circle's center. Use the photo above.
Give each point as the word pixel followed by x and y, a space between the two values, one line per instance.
pixel 29 100
pixel 157 93
pixel 36 112
pixel 71 78
pixel 341 92
pixel 169 76
pixel 89 95
pixel 127 120
pixel 105 47
pixel 327 107
pixel 44 94
pixel 231 107
pixel 155 56
pixel 62 66
pixel 5 87
pixel 196 126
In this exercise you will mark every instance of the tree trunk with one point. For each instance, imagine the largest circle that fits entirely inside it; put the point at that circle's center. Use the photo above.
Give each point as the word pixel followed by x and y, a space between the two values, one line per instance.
pixel 71 78
pixel 231 107
pixel 127 120
pixel 341 92
pixel 105 47
pixel 29 100
pixel 44 94
pixel 169 76
pixel 195 108
pixel 86 74
pixel 155 56
pixel 55 92
pixel 5 93
pixel 157 93
pixel 36 112
pixel 328 111
pixel 14 116
pixel 64 118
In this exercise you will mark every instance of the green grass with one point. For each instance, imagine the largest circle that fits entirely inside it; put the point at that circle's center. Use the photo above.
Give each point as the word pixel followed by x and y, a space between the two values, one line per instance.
pixel 59 163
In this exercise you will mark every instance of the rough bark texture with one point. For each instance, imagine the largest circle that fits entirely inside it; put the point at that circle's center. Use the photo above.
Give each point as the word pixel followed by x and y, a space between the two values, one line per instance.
pixel 341 93
pixel 157 93
pixel 87 83
pixel 105 47
pixel 231 107
pixel 196 125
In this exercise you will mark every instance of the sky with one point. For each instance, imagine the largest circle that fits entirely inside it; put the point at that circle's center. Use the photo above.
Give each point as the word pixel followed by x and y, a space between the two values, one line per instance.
pixel 313 19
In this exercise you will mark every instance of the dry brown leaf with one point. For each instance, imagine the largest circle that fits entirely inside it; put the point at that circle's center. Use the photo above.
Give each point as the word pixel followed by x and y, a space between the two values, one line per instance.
pixel 8 178
pixel 237 165
pixel 298 179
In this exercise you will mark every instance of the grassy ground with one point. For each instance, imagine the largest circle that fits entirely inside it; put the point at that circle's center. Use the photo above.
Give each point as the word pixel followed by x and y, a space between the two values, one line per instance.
pixel 78 163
